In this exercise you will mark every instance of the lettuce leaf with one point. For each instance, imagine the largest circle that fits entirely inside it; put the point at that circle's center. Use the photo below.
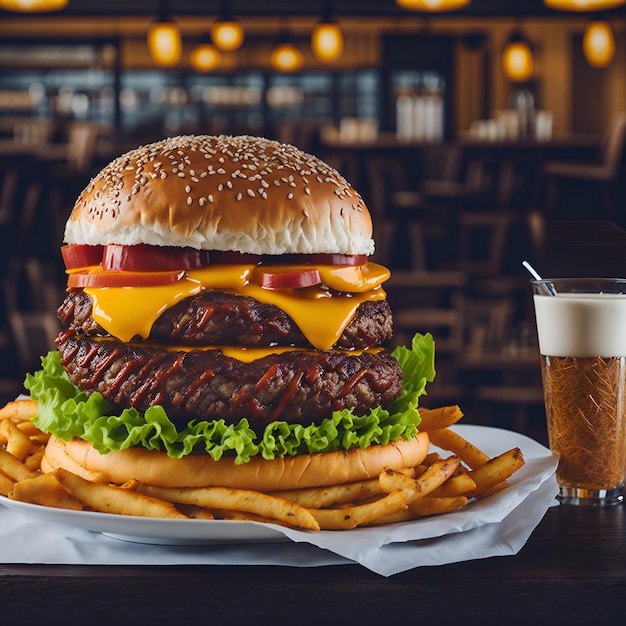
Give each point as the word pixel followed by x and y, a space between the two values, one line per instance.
pixel 66 412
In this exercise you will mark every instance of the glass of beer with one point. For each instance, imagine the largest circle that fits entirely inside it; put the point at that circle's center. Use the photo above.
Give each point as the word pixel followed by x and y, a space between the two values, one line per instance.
pixel 581 324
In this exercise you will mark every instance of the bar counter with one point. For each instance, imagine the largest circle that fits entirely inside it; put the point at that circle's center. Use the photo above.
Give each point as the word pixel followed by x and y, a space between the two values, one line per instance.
pixel 572 570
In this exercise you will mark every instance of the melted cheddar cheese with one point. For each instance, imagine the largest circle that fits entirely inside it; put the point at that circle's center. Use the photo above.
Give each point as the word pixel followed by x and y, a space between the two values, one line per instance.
pixel 320 312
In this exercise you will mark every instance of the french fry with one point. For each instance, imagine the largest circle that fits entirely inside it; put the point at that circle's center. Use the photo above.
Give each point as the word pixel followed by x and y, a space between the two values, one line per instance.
pixel 33 460
pixel 437 506
pixel 441 417
pixel 415 488
pixel 345 518
pixel 324 497
pixel 239 500
pixel 111 499
pixel 453 442
pixel 496 470
pixel 196 512
pixel 424 507
pixel 6 484
pixel 46 490
pixel 13 468
pixel 19 410
pixel 459 485
pixel 17 442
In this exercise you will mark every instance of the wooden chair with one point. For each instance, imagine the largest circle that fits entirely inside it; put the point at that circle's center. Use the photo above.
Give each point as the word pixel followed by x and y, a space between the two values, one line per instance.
pixel 425 301
pixel 603 172
pixel 34 333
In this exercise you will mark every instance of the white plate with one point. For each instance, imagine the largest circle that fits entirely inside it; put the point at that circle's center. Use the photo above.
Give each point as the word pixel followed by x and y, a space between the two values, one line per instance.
pixel 182 532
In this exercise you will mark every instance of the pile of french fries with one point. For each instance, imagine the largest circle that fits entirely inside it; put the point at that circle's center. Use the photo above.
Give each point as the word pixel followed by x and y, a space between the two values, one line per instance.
pixel 438 485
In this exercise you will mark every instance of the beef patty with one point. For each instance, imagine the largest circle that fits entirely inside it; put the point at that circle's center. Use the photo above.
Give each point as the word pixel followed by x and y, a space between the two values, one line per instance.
pixel 216 318
pixel 297 386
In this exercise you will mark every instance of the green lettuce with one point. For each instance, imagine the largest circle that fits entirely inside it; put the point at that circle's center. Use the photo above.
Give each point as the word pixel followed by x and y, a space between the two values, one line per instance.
pixel 66 412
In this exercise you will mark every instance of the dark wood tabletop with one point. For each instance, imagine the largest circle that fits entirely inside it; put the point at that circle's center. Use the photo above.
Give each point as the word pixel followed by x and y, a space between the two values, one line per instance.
pixel 571 571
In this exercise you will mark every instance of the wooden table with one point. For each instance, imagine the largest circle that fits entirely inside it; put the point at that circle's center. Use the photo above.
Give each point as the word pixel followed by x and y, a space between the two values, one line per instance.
pixel 571 571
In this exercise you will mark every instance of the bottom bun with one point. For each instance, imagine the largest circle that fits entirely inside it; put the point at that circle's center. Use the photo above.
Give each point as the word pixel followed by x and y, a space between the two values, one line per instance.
pixel 305 470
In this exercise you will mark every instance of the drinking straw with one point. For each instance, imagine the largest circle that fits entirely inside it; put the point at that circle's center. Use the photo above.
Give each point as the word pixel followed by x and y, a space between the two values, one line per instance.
pixel 547 287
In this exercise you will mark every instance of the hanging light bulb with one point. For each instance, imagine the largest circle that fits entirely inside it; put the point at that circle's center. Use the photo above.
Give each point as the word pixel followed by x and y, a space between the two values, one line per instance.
pixel 227 32
pixel 598 43
pixel 517 59
pixel 584 5
pixel 33 6
pixel 204 56
pixel 327 38
pixel 286 56
pixel 434 6
pixel 164 40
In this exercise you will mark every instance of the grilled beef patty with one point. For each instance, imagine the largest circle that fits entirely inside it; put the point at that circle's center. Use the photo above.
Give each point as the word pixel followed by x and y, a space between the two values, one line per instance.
pixel 216 318
pixel 297 387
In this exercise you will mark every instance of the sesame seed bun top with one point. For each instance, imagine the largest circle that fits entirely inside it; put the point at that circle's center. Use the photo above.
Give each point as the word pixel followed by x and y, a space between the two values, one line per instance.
pixel 245 194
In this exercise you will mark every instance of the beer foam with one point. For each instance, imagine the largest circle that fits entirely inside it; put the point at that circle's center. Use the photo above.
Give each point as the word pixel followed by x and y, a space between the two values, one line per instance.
pixel 581 325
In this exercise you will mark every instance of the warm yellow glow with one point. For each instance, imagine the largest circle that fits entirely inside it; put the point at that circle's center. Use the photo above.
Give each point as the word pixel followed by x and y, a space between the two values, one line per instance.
pixel 598 43
pixel 34 6
pixel 327 41
pixel 286 57
pixel 432 5
pixel 517 62
pixel 165 43
pixel 227 35
pixel 204 57
pixel 583 5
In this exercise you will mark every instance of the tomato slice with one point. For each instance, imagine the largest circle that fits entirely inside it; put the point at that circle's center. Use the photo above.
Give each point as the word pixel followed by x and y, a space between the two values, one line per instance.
pixel 97 277
pixel 146 258
pixel 288 277
pixel 81 255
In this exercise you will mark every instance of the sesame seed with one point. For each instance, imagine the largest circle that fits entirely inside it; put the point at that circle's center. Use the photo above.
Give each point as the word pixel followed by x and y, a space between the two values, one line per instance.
pixel 290 196
pixel 307 191
pixel 239 196
pixel 229 184
pixel 187 188
pixel 306 213
pixel 201 201
pixel 250 193
pixel 189 200
pixel 220 187
pixel 211 198
pixel 181 174
pixel 221 170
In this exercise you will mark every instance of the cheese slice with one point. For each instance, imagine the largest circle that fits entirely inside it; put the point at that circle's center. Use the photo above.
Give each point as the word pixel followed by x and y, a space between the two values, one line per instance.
pixel 319 311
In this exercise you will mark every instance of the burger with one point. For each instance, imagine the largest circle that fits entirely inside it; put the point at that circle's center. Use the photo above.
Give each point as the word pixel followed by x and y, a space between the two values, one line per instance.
pixel 223 326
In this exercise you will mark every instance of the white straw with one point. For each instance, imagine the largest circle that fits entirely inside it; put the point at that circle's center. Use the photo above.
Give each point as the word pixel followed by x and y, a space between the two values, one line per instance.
pixel 531 269
pixel 547 287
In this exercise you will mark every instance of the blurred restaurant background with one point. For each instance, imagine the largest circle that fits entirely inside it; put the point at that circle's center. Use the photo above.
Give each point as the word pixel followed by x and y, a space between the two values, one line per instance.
pixel 480 133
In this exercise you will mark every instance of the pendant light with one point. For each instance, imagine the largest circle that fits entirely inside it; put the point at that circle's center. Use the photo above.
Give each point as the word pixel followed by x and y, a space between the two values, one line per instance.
pixel 598 42
pixel 227 32
pixel 205 56
pixel 164 40
pixel 327 38
pixel 517 59
pixel 286 56
pixel 584 5
pixel 432 6
pixel 33 6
